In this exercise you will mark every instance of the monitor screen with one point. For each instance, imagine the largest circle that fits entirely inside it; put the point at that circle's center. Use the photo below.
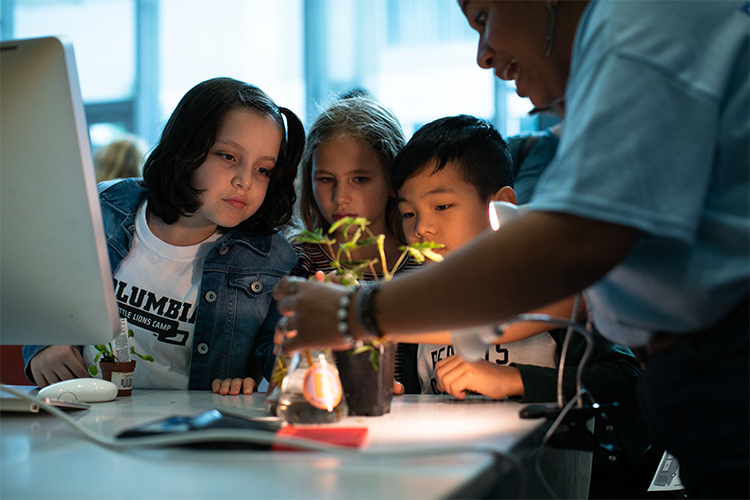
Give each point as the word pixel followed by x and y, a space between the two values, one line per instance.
pixel 55 279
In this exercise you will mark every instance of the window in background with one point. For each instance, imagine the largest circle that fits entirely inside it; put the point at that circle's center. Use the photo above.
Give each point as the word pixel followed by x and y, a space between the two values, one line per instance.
pixel 418 57
pixel 517 119
pixel 428 68
pixel 256 41
pixel 103 34
pixel 103 37
pixel 137 58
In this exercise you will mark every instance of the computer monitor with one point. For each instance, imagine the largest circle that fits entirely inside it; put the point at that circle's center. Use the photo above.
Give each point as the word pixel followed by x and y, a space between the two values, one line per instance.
pixel 55 279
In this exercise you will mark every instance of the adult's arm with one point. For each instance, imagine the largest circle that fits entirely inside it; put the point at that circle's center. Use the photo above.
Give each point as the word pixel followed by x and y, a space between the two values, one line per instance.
pixel 514 333
pixel 537 259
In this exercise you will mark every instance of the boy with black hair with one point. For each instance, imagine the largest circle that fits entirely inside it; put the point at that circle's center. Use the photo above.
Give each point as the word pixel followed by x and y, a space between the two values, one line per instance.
pixel 445 177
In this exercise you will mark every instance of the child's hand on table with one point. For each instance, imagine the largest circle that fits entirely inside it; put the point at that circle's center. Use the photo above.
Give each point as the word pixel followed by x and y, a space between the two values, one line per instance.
pixel 233 386
pixel 398 388
pixel 57 362
pixel 454 376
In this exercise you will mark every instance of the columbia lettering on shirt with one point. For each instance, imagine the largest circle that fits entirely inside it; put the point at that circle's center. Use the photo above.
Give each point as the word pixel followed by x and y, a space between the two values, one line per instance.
pixel 539 350
pixel 157 287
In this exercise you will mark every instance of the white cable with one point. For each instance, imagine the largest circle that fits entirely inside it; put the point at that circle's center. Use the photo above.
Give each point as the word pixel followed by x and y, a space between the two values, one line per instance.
pixel 580 391
pixel 571 325
pixel 564 355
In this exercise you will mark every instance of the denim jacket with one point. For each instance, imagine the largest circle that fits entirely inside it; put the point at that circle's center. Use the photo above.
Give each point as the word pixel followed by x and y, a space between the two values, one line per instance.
pixel 236 314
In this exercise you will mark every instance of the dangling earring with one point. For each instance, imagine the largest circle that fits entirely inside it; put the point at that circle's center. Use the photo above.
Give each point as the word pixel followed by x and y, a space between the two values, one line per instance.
pixel 551 28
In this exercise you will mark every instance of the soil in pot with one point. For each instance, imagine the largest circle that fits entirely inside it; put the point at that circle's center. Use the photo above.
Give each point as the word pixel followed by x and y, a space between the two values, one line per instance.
pixel 121 374
pixel 368 391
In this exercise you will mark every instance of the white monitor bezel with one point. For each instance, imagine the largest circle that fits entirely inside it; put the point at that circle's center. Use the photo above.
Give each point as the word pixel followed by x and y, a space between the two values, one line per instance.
pixel 55 279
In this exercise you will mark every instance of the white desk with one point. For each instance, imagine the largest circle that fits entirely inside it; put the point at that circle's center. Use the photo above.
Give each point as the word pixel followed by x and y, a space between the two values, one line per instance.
pixel 43 457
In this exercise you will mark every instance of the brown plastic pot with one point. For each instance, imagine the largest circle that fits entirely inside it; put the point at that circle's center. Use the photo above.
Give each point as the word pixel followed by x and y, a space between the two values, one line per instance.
pixel 119 373
pixel 368 392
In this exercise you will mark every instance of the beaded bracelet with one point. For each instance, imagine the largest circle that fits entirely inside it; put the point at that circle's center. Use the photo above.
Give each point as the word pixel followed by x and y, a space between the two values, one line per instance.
pixel 342 316
pixel 367 309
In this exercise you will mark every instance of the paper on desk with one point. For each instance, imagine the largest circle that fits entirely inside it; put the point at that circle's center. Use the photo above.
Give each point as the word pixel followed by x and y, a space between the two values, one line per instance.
pixel 667 476
pixel 121 347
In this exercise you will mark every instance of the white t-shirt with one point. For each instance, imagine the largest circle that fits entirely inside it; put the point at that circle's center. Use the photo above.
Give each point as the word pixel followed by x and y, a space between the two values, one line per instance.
pixel 539 350
pixel 156 287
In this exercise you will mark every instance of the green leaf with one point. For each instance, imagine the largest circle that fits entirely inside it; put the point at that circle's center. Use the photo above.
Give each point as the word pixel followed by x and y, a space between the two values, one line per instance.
pixel 375 359
pixel 93 371
pixel 374 356
pixel 362 222
pixel 315 237
pixel 367 241
pixel 144 358
pixel 422 245
pixel 348 279
pixel 432 255
pixel 130 333
pixel 423 250
pixel 346 221
pixel 348 245
pixel 355 237
pixel 360 350
pixel 416 254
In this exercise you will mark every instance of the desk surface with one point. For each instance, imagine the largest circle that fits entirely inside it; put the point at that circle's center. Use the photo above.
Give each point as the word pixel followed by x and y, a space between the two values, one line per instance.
pixel 43 457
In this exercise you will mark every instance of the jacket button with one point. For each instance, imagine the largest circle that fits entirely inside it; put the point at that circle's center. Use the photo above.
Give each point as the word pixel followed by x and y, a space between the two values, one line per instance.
pixel 224 250
pixel 256 286
pixel 211 296
pixel 203 348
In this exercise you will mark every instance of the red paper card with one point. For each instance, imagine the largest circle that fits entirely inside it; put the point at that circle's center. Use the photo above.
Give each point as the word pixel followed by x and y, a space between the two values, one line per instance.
pixel 353 437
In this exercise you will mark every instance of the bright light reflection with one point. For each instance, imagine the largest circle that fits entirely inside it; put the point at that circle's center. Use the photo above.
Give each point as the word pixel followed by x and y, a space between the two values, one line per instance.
pixel 453 422
pixel 327 463
pixel 502 211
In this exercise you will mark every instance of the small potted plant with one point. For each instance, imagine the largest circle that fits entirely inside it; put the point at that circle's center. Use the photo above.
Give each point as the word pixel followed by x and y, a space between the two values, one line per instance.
pixel 115 369
pixel 367 371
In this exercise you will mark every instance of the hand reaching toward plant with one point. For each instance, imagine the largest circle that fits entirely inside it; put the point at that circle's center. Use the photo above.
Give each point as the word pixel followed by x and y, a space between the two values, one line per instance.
pixel 305 304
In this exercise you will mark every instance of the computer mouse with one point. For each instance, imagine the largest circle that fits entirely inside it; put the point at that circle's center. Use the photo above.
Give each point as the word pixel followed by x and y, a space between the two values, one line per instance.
pixel 82 390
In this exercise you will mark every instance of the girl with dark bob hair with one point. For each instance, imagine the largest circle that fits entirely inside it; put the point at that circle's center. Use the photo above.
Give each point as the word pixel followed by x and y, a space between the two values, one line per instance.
pixel 188 137
pixel 195 247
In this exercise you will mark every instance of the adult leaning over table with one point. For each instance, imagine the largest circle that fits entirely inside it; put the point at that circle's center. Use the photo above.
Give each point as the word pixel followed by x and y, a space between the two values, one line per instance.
pixel 644 209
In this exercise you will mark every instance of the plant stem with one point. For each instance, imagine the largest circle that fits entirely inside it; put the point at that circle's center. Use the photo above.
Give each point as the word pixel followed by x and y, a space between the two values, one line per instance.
pixel 373 271
pixel 383 264
pixel 330 247
pixel 399 261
